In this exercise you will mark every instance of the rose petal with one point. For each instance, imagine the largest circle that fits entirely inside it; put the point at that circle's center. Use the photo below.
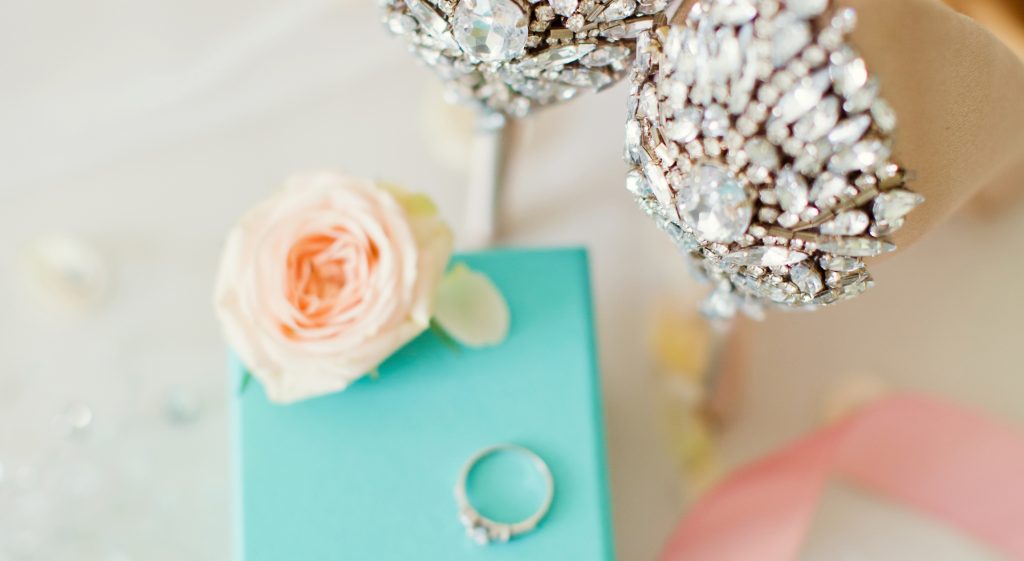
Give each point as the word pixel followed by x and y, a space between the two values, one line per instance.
pixel 471 308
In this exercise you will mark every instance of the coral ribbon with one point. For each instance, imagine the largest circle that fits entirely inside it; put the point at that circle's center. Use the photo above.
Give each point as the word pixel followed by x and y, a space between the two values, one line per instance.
pixel 945 461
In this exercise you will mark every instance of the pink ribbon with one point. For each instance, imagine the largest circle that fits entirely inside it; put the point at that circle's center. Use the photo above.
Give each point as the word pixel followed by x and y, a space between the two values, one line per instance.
pixel 941 459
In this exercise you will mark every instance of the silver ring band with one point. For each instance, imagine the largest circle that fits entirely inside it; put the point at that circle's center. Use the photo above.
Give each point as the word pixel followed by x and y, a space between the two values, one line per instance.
pixel 484 530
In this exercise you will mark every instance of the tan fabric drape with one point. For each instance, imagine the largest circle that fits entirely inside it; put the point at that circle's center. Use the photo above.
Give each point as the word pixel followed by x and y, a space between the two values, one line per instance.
pixel 959 94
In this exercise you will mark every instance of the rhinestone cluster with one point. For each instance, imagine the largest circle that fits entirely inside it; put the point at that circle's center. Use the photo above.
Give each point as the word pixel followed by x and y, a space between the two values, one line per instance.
pixel 513 56
pixel 760 144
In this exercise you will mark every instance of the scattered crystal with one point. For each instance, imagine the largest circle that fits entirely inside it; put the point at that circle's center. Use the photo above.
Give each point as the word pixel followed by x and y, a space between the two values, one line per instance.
pixel 892 206
pixel 850 76
pixel 803 97
pixel 716 121
pixel 856 247
pixel 807 8
pixel 400 23
pixel 555 57
pixel 686 126
pixel 827 188
pixel 789 40
pixel 850 130
pixel 655 178
pixel 715 204
pixel 807 279
pixel 564 7
pixel 884 115
pixel 734 12
pixel 848 223
pixel 636 183
pixel 490 30
pixel 842 264
pixel 628 29
pixel 792 191
pixel 765 256
pixel 575 23
pixel 633 142
pixel 617 10
pixel 859 157
pixel 863 98
pixel 605 55
pixel 762 153
pixel 819 121
pixel 582 77
pixel 720 304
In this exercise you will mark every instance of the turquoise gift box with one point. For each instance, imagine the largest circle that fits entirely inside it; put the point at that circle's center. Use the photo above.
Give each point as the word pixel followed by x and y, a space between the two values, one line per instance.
pixel 368 474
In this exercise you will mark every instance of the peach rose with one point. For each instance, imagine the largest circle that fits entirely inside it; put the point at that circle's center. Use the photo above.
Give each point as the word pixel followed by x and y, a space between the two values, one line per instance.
pixel 321 283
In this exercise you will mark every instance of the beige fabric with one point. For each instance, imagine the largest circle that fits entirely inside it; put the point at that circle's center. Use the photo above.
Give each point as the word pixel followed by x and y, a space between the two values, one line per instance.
pixel 959 95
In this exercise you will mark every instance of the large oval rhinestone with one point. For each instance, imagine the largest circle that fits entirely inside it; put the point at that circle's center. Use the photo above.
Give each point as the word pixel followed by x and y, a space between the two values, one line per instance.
pixel 491 30
pixel 714 204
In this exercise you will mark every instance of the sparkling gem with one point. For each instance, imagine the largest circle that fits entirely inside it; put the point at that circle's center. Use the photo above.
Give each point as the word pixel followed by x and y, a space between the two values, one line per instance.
pixel 819 121
pixel 400 23
pixel 575 23
pixel 686 126
pixel 656 178
pixel 893 205
pixel 884 115
pixel 848 223
pixel 827 188
pixel 762 153
pixel 490 30
pixel 617 10
pixel 716 121
pixel 807 8
pixel 636 183
pixel 733 12
pixel 789 40
pixel 792 191
pixel 765 256
pixel 842 264
pixel 850 130
pixel 555 57
pixel 564 7
pixel 605 55
pixel 627 29
pixel 863 98
pixel 850 76
pixel 434 24
pixel 585 78
pixel 856 247
pixel 720 304
pixel 807 279
pixel 715 205
pixel 861 156
pixel 803 97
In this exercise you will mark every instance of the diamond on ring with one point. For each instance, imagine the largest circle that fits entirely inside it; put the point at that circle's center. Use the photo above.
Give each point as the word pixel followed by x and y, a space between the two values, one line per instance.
pixel 761 145
pixel 485 531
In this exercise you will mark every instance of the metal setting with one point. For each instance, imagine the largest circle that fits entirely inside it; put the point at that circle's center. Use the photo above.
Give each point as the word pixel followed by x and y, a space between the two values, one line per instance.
pixel 484 530
pixel 760 144
pixel 513 56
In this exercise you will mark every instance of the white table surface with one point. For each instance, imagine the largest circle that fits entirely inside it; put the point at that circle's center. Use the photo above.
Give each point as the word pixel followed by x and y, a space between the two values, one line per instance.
pixel 144 128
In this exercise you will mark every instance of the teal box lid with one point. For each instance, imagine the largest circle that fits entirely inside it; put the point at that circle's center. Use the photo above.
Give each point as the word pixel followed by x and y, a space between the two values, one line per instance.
pixel 367 474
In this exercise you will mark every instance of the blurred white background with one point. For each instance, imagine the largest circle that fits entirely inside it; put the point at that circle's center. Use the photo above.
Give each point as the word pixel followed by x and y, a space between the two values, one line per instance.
pixel 141 129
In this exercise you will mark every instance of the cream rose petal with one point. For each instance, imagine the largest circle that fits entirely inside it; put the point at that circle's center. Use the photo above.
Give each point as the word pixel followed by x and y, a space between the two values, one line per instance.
pixel 471 309
pixel 296 357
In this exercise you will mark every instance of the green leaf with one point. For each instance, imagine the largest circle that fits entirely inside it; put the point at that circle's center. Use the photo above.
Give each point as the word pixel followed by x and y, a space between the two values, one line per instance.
pixel 246 378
